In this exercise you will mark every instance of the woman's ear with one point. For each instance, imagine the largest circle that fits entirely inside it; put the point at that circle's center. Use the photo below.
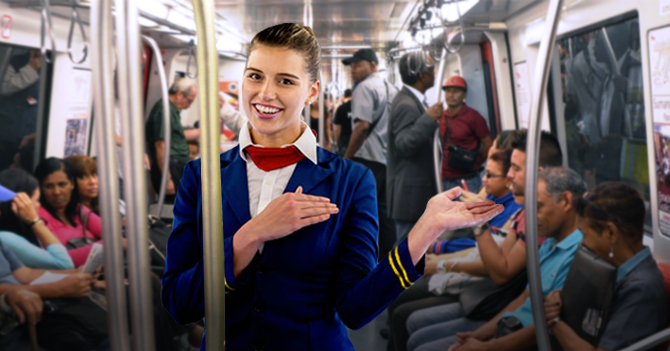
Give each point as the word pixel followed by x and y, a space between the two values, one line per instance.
pixel 613 232
pixel 314 91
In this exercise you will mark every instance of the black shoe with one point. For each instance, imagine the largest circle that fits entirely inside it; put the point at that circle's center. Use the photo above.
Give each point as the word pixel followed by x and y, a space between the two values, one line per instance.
pixel 384 332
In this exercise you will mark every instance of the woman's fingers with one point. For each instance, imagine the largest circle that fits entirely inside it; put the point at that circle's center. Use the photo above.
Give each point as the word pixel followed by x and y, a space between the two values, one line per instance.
pixel 318 210
pixel 471 205
pixel 306 197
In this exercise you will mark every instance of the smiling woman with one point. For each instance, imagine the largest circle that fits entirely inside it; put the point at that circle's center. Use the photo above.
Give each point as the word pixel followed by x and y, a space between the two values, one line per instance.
pixel 299 268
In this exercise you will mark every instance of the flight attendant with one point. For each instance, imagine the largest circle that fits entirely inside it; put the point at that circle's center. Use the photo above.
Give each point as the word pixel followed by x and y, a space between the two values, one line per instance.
pixel 300 223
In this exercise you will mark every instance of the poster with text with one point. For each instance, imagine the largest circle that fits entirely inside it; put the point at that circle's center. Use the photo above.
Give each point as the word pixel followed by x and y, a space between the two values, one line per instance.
pixel 75 137
pixel 659 64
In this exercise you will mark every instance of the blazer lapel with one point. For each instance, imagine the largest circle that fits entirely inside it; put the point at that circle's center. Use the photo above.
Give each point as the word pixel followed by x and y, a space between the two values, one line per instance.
pixel 235 187
pixel 308 175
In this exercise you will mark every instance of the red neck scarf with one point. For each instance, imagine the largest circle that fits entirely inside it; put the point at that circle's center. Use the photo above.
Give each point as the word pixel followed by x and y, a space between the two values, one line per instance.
pixel 271 158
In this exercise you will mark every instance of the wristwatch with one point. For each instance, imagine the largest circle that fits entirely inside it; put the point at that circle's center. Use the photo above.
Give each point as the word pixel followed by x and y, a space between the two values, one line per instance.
pixel 479 230
pixel 441 266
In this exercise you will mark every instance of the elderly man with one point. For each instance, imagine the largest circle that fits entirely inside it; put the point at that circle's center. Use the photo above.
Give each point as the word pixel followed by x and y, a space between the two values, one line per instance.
pixel 182 93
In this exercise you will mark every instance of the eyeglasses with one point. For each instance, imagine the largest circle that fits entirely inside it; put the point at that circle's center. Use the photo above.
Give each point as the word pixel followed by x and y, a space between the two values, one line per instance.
pixel 190 101
pixel 490 175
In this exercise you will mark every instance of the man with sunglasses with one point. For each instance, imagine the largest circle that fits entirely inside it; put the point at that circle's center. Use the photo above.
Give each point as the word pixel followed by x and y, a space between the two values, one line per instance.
pixel 181 94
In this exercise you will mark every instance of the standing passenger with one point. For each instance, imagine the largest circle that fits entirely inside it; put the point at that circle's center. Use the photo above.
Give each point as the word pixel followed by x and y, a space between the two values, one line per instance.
pixel 182 93
pixel 410 182
pixel 464 128
pixel 298 268
pixel 342 124
pixel 367 146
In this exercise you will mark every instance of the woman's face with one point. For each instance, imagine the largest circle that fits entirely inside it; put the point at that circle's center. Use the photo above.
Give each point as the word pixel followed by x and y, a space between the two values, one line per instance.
pixel 276 87
pixel 495 180
pixel 599 244
pixel 88 187
pixel 57 190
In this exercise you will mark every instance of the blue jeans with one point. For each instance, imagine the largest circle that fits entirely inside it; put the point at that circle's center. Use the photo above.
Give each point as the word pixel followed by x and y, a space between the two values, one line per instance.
pixel 474 184
pixel 438 325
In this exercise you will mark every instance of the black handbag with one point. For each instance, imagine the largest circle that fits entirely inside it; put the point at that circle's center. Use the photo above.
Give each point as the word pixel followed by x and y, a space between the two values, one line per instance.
pixel 84 240
pixel 77 324
pixel 458 157
pixel 483 300
pixel 587 295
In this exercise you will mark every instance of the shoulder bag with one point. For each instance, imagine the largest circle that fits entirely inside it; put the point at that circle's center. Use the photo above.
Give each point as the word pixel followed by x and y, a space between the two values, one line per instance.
pixel 460 158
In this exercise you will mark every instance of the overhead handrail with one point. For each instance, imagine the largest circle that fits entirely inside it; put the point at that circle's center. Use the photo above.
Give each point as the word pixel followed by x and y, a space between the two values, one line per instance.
pixel 167 127
pixel 532 157
pixel 128 49
pixel 76 18
pixel 46 28
pixel 103 94
pixel 191 54
pixel 212 219
pixel 447 40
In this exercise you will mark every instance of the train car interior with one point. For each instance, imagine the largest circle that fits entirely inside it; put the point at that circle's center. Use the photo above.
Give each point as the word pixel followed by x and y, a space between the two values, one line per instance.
pixel 105 105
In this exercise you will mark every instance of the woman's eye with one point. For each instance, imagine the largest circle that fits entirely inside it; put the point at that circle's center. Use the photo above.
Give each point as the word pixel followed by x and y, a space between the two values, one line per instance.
pixel 254 76
pixel 286 81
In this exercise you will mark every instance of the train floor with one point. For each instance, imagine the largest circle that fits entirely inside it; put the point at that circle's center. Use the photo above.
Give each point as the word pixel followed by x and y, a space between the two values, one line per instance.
pixel 368 338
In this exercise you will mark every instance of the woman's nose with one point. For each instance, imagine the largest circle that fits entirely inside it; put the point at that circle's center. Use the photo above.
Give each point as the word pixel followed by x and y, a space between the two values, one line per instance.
pixel 267 92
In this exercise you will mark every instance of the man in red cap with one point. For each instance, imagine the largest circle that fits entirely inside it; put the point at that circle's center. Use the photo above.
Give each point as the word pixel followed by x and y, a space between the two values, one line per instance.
pixel 463 131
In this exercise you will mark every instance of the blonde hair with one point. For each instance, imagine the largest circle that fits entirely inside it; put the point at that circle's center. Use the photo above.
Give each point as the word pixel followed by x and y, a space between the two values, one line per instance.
pixel 294 37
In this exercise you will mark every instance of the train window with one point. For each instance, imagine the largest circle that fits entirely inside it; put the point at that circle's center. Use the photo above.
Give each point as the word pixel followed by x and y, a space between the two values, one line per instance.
pixel 603 104
pixel 20 69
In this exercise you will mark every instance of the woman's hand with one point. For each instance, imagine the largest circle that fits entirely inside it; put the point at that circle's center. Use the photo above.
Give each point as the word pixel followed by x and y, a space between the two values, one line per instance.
pixel 289 213
pixel 443 214
pixel 76 285
pixel 552 307
pixel 24 208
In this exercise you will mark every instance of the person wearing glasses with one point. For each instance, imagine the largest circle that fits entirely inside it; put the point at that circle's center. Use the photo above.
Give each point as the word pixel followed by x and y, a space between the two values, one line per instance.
pixel 181 94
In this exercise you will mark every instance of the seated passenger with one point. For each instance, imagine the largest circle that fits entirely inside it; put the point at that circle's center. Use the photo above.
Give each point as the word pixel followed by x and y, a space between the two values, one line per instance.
pixel 86 172
pixel 14 277
pixel 559 191
pixel 22 230
pixel 611 217
pixel 24 306
pixel 62 212
pixel 418 295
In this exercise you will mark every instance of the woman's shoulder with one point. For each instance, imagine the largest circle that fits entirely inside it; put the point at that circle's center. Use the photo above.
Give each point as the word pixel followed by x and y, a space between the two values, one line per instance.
pixel 344 167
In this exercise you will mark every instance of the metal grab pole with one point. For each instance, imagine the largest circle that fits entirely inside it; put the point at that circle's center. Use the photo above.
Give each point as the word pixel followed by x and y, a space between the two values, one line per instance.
pixel 167 127
pixel 437 143
pixel 103 91
pixel 128 68
pixel 208 66
pixel 532 157
pixel 322 116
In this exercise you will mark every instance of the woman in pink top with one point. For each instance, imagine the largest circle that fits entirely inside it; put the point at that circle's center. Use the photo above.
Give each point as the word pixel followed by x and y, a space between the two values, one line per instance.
pixel 62 212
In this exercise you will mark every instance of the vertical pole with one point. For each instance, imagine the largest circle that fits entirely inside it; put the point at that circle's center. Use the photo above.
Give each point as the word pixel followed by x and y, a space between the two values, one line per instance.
pixel 322 114
pixel 437 142
pixel 128 52
pixel 208 66
pixel 541 77
pixel 103 91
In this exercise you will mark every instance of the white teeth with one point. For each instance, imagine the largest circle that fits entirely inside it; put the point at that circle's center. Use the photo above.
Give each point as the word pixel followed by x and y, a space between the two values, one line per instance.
pixel 266 110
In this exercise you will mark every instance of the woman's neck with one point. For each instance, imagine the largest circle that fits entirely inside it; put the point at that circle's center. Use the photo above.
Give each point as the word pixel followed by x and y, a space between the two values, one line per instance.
pixel 62 217
pixel 86 202
pixel 283 137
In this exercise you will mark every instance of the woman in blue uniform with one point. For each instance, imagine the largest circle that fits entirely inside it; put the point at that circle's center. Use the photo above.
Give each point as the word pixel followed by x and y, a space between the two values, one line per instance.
pixel 300 223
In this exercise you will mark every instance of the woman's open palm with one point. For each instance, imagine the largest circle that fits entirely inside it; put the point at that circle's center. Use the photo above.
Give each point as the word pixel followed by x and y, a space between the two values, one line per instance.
pixel 445 214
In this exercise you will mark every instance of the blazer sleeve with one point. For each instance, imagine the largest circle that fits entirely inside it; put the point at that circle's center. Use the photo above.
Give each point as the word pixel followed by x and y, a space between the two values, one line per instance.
pixel 410 132
pixel 365 288
pixel 183 284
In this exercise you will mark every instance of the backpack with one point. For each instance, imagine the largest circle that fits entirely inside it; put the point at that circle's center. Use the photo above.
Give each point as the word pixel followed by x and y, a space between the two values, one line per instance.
pixel 72 324
pixel 159 233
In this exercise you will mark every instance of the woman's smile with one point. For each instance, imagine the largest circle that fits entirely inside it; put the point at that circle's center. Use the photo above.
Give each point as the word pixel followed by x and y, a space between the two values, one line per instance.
pixel 266 111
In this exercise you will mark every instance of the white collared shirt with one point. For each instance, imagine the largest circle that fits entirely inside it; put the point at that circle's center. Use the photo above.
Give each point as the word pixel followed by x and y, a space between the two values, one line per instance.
pixel 418 95
pixel 267 186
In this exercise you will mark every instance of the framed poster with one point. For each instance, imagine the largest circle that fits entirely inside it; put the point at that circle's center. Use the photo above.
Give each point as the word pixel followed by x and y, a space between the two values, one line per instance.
pixel 659 67
pixel 524 96
pixel 75 137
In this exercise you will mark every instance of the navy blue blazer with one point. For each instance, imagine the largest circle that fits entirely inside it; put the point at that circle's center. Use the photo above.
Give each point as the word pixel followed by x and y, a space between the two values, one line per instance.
pixel 302 291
